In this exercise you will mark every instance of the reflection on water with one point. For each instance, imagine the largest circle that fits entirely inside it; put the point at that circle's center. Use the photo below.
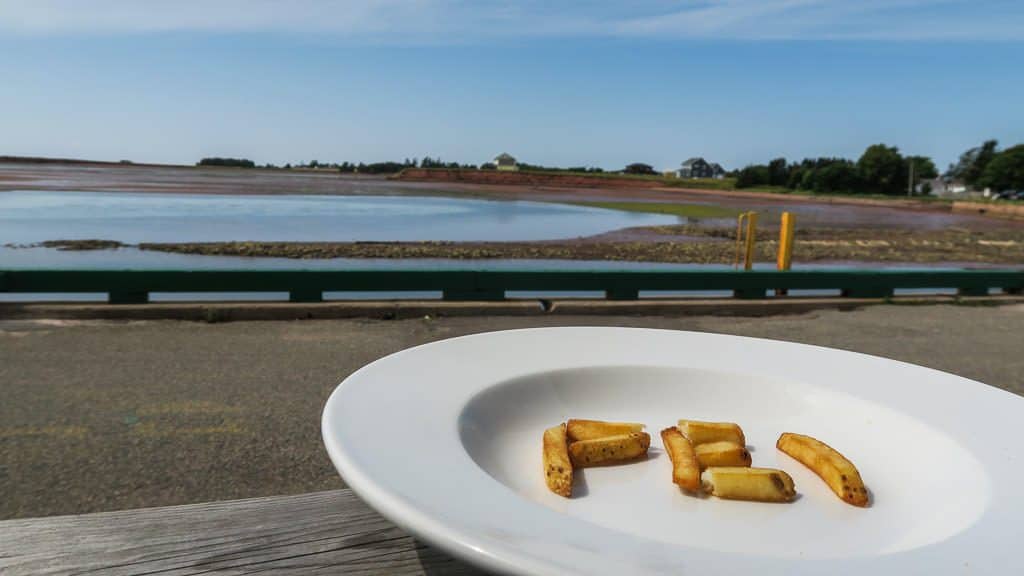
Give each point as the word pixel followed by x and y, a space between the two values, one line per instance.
pixel 30 216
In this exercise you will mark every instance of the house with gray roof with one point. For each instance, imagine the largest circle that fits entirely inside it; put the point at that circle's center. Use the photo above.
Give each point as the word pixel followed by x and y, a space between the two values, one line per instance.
pixel 698 167
pixel 505 161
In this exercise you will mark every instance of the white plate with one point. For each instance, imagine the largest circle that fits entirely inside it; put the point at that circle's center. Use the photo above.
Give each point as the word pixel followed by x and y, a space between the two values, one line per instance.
pixel 445 440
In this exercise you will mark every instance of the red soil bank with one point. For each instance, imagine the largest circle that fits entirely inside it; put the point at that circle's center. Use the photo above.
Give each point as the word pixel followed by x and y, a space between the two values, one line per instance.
pixel 553 179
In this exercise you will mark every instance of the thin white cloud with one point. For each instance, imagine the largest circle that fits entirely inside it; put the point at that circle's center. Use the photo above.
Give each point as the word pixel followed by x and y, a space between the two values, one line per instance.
pixel 135 16
pixel 837 20
pixel 447 21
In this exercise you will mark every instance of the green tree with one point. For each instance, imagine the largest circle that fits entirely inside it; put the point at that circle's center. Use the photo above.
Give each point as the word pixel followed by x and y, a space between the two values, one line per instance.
pixel 924 168
pixel 1005 171
pixel 971 164
pixel 235 162
pixel 837 177
pixel 882 170
pixel 809 180
pixel 778 172
pixel 796 176
pixel 754 175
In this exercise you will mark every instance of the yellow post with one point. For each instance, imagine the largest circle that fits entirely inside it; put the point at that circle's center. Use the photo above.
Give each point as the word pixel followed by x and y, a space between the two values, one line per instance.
pixel 739 238
pixel 748 242
pixel 786 241
pixel 748 260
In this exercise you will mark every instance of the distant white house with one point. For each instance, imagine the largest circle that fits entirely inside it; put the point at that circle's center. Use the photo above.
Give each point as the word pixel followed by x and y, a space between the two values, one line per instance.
pixel 505 161
pixel 700 168
pixel 942 187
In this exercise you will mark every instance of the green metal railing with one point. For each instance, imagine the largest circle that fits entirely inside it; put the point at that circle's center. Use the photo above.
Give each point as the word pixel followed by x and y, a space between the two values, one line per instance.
pixel 134 286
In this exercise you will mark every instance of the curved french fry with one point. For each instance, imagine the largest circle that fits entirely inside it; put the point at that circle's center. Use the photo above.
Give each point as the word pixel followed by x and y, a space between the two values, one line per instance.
pixel 722 453
pixel 703 432
pixel 557 467
pixel 685 468
pixel 609 449
pixel 591 429
pixel 839 473
pixel 740 483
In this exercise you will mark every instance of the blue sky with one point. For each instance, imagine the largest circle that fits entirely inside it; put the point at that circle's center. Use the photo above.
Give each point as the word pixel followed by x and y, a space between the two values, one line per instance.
pixel 556 83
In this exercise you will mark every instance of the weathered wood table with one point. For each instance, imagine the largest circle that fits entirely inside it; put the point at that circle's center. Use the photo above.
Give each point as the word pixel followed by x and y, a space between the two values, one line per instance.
pixel 320 533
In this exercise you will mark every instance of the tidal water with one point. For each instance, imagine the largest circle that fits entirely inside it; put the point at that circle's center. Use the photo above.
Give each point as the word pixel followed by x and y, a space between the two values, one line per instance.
pixel 34 216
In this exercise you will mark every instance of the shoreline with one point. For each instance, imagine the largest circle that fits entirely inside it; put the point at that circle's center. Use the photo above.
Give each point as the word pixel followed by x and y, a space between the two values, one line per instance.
pixel 682 244
pixel 86 176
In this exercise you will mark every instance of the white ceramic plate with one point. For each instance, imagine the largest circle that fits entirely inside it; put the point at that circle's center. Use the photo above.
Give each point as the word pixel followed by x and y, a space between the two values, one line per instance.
pixel 445 440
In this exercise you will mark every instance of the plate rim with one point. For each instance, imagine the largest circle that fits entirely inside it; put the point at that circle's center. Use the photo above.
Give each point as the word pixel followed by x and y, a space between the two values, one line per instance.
pixel 463 545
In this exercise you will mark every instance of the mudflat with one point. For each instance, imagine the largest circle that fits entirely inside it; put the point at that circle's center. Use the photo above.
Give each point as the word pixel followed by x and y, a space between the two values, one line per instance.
pixel 816 211
pixel 903 232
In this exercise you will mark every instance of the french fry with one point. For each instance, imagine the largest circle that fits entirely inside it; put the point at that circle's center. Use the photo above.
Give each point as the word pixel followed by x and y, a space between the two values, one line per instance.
pixel 609 449
pixel 703 432
pixel 685 468
pixel 839 473
pixel 722 453
pixel 557 467
pixel 591 429
pixel 740 483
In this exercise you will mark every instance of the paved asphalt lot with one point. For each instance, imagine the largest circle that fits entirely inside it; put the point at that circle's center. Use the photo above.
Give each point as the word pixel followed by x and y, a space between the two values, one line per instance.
pixel 110 415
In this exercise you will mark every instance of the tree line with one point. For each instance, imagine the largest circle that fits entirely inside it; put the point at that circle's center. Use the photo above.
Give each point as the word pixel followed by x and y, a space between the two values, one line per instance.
pixel 986 166
pixel 234 162
pixel 882 169
pixel 392 167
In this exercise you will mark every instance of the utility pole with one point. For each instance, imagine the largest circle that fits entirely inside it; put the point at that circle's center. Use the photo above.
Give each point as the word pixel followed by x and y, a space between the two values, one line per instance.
pixel 910 184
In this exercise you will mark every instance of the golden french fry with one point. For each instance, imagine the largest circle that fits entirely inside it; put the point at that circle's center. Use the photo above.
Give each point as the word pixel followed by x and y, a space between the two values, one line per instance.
pixel 685 468
pixel 609 449
pixel 590 429
pixel 557 467
pixel 722 453
pixel 839 473
pixel 740 483
pixel 703 432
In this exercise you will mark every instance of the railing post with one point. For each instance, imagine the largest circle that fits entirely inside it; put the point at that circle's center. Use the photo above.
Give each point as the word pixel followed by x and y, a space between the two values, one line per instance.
pixel 868 292
pixel 127 297
pixel 622 294
pixel 972 291
pixel 748 256
pixel 305 295
pixel 786 229
pixel 785 256
pixel 750 293
pixel 748 242
pixel 471 295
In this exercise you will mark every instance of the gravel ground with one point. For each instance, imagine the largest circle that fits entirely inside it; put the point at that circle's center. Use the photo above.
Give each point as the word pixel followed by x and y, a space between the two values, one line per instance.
pixel 111 415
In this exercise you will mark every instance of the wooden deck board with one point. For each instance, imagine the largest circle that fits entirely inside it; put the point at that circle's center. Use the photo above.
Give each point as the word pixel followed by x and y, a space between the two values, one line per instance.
pixel 320 533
